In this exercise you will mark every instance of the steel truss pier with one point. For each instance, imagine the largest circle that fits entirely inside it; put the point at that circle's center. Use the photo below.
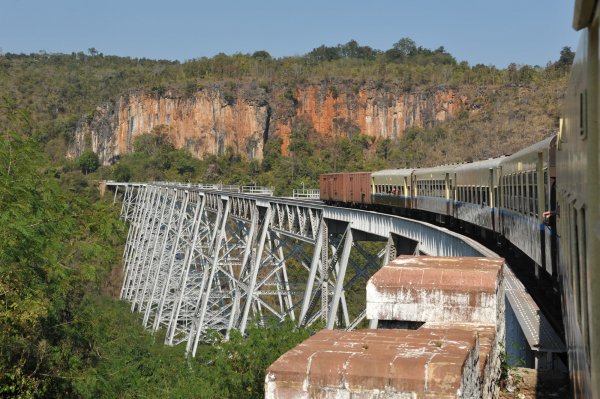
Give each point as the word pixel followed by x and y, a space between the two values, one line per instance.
pixel 199 260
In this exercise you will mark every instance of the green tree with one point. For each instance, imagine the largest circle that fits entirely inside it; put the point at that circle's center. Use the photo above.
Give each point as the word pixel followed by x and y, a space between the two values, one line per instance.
pixel 122 172
pixel 88 162
pixel 566 58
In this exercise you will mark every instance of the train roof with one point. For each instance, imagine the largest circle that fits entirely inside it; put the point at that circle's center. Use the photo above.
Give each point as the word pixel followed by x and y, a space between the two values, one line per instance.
pixel 435 169
pixel 485 164
pixel 344 173
pixel 537 147
pixel 392 172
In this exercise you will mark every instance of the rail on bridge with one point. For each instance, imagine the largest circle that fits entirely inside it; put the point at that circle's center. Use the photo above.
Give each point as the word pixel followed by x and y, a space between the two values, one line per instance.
pixel 202 258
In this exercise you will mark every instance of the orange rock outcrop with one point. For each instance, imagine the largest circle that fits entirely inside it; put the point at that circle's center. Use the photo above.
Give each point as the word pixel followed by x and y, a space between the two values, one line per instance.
pixel 215 118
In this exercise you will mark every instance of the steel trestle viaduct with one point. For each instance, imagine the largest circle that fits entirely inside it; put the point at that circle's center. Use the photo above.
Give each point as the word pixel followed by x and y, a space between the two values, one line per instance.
pixel 198 260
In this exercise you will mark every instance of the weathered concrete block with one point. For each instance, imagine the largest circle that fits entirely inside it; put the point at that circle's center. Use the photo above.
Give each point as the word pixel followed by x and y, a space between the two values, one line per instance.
pixel 424 363
pixel 437 289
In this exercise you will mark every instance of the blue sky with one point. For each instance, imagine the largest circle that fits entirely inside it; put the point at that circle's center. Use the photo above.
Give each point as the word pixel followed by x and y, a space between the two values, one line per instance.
pixel 478 31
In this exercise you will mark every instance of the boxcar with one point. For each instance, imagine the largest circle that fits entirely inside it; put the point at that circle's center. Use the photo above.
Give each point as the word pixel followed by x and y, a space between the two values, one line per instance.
pixel 353 188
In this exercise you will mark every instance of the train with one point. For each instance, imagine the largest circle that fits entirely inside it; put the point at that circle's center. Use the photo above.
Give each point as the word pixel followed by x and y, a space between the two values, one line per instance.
pixel 508 197
pixel 544 200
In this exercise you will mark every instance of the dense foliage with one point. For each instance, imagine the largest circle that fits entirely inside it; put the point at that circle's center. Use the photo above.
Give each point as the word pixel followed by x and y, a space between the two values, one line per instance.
pixel 61 334
pixel 59 242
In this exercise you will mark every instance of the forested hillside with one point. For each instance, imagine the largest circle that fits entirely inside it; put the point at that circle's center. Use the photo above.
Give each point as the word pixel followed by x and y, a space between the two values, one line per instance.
pixel 507 108
pixel 62 334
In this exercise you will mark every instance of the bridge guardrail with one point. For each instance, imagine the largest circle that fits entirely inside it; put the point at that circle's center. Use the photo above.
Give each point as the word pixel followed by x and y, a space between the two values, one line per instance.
pixel 306 193
pixel 258 190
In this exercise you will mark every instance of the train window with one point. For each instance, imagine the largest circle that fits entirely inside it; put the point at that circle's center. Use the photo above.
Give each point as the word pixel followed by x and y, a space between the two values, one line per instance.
pixel 508 191
pixel 495 199
pixel 519 193
pixel 523 187
pixel 526 193
pixel 511 192
pixel 546 183
pixel 534 187
pixel 503 191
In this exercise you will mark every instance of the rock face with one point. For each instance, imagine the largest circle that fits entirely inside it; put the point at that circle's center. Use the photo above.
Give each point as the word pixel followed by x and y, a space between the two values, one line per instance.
pixel 244 117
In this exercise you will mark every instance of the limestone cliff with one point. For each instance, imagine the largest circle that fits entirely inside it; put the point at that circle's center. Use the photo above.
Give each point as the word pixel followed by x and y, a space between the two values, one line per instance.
pixel 244 117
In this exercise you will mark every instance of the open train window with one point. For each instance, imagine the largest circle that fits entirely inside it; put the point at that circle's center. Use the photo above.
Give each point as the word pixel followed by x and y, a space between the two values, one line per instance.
pixel 511 192
pixel 546 183
pixel 494 203
pixel 519 192
pixel 503 191
pixel 534 191
pixel 530 194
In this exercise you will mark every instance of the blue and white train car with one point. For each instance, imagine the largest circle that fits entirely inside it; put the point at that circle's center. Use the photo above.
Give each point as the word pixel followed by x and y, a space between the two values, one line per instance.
pixel 434 189
pixel 476 193
pixel 525 181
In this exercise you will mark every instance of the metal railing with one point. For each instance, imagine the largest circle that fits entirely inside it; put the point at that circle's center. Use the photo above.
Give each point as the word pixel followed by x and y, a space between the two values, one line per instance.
pixel 306 193
pixel 258 190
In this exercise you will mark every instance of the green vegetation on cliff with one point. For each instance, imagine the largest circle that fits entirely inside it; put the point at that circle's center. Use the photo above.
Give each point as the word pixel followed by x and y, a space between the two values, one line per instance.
pixel 59 89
